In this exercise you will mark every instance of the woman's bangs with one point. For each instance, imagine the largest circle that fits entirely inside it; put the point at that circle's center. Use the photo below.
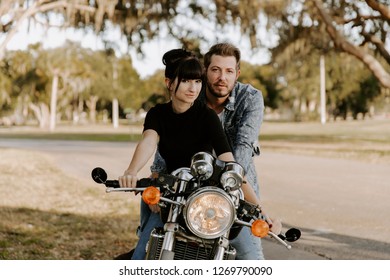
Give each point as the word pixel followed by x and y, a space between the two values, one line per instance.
pixel 191 70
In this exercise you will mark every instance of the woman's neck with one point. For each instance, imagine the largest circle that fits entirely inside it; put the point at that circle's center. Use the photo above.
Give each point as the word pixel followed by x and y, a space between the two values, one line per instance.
pixel 180 107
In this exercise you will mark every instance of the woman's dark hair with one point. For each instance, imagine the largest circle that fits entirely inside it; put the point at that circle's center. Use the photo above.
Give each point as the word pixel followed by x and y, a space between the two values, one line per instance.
pixel 182 64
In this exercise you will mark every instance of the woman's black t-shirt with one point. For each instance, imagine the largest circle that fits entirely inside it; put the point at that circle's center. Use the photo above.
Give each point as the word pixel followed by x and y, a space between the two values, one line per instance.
pixel 183 135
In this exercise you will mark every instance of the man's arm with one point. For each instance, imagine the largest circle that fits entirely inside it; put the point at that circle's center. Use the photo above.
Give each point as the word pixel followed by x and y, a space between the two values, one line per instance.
pixel 246 138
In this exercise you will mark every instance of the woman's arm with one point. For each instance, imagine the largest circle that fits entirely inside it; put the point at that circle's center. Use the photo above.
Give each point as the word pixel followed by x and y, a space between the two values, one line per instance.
pixel 143 152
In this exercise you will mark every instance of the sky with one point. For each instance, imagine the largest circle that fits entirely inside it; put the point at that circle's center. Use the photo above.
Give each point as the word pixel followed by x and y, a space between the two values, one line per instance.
pixel 154 50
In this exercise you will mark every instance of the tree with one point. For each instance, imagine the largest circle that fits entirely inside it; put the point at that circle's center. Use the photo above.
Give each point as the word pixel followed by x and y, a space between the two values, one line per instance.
pixel 264 78
pixel 69 77
pixel 306 29
pixel 370 23
pixel 137 20
pixel 351 87
pixel 360 101
pixel 5 87
pixel 359 28
pixel 28 85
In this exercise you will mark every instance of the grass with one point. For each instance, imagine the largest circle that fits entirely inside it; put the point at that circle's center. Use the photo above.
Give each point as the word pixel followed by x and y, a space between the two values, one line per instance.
pixel 369 130
pixel 80 136
pixel 334 132
pixel 47 215
pixel 34 234
pixel 359 140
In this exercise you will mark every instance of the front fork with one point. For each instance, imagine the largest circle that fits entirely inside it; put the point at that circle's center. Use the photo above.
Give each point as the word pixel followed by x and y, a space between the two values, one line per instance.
pixel 172 226
pixel 223 244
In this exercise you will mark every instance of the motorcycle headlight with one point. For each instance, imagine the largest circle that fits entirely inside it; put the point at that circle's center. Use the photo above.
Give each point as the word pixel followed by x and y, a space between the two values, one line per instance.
pixel 202 165
pixel 232 177
pixel 209 213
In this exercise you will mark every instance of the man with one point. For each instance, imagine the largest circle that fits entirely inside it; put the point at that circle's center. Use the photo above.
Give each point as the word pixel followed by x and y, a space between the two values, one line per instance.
pixel 240 108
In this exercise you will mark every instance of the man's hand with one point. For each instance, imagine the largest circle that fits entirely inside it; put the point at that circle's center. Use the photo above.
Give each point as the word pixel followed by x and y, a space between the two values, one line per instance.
pixel 275 225
pixel 154 208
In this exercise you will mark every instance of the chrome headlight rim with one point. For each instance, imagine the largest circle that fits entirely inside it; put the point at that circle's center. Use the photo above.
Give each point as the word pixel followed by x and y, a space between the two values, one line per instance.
pixel 204 191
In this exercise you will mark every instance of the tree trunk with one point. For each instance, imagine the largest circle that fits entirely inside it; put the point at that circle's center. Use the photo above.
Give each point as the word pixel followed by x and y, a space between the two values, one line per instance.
pixel 41 112
pixel 53 102
pixel 115 113
pixel 322 90
pixel 91 104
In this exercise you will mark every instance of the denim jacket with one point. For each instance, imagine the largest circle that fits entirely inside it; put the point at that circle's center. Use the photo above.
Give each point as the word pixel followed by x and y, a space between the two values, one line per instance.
pixel 242 118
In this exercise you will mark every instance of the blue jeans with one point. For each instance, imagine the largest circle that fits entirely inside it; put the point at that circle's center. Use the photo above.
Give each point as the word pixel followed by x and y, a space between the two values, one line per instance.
pixel 148 222
pixel 248 247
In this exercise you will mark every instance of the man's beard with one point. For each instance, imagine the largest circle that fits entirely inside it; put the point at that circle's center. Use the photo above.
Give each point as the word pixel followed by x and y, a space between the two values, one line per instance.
pixel 217 94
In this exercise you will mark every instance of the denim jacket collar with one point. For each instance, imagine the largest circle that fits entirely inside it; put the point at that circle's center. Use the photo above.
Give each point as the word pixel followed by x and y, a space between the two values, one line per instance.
pixel 231 101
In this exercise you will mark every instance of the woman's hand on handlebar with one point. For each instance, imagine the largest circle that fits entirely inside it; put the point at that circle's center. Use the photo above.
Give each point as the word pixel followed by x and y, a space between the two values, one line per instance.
pixel 128 180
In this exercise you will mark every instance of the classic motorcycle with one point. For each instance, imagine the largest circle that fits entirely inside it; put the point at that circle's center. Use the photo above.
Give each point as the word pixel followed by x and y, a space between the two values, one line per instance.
pixel 202 208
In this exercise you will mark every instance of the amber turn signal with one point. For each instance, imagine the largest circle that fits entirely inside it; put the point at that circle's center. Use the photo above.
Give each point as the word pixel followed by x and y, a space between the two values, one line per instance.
pixel 151 195
pixel 260 228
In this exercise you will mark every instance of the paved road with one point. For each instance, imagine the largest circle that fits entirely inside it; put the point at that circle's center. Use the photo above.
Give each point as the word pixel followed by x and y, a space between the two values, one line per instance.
pixel 341 206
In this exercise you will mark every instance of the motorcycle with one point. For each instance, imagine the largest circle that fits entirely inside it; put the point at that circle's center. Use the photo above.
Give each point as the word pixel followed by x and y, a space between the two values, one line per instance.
pixel 202 208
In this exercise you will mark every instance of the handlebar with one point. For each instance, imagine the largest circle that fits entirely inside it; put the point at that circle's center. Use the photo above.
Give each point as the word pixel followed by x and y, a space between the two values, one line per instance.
pixel 99 175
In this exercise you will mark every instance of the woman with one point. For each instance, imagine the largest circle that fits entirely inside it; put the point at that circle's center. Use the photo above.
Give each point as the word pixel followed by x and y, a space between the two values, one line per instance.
pixel 180 129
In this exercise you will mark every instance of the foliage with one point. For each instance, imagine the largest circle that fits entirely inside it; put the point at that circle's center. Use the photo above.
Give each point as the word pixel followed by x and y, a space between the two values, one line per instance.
pixel 264 78
pixel 88 77
pixel 83 74
pixel 154 90
pixel 345 91
pixel 89 80
pixel 359 28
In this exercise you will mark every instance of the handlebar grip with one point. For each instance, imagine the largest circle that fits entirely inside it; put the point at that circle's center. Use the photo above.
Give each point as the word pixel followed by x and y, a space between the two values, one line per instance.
pixel 112 184
pixel 145 182
pixel 142 183
pixel 99 175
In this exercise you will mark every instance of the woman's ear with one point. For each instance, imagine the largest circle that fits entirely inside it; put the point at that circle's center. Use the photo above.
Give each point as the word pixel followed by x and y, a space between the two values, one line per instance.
pixel 168 83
